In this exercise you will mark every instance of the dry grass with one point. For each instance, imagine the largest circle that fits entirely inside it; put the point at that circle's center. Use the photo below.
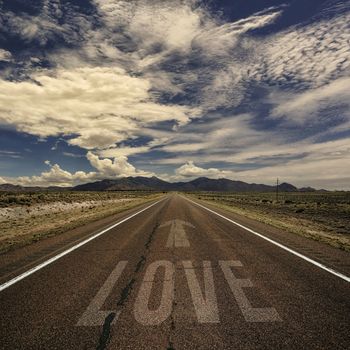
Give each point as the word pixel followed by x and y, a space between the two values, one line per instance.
pixel 320 216
pixel 28 217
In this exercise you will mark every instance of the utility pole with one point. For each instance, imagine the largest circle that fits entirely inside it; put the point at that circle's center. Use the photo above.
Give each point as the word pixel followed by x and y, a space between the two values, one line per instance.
pixel 277 190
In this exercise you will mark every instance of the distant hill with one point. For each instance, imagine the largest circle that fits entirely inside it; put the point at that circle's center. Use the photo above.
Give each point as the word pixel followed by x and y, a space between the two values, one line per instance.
pixel 155 184
pixel 17 188
pixel 308 189
pixel 200 184
pixel 11 188
pixel 125 183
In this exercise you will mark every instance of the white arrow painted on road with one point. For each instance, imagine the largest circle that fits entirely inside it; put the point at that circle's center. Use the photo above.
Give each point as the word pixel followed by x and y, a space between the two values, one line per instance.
pixel 177 236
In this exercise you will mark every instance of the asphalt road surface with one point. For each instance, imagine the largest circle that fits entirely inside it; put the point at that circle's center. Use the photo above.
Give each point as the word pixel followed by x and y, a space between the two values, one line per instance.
pixel 175 276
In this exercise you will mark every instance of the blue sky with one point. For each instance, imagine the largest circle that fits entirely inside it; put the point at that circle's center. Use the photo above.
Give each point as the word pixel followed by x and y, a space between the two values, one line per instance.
pixel 242 89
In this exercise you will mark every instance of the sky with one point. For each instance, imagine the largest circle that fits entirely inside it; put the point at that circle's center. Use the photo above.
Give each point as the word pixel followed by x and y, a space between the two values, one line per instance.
pixel 248 90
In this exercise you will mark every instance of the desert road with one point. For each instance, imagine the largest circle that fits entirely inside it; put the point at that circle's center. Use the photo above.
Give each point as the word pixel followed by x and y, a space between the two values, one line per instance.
pixel 175 274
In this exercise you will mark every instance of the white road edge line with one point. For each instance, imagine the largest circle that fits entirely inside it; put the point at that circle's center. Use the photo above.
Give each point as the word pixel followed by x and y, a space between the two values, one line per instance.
pixel 321 266
pixel 58 256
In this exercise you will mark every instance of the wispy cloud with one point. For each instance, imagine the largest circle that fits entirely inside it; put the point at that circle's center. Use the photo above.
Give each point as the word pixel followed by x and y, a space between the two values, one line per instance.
pixel 10 154
pixel 313 104
pixel 307 55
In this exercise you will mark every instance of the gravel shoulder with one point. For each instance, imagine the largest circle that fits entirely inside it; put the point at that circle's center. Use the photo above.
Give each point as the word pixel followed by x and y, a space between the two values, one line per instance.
pixel 22 223
pixel 320 217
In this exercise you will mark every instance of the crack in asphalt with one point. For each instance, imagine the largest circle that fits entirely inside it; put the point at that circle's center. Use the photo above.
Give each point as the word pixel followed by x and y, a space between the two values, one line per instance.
pixel 125 292
pixel 106 330
pixel 105 336
pixel 140 263
pixel 170 346
pixel 172 322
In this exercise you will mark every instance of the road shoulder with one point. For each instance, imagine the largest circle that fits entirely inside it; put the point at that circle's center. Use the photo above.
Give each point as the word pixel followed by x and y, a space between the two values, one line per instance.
pixel 323 253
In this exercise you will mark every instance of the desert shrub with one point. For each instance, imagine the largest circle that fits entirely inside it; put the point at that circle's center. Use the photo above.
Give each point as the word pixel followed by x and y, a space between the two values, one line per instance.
pixel 13 200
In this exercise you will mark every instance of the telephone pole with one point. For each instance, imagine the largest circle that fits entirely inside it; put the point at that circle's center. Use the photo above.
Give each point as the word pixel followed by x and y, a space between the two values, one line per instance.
pixel 277 183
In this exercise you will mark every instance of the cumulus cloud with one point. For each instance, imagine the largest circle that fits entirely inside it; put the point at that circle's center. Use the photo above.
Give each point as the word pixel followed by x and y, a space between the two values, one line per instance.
pixel 192 171
pixel 100 106
pixel 118 167
pixel 56 176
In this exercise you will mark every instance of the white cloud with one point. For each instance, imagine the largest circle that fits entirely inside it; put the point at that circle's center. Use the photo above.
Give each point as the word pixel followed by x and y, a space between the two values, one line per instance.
pixel 118 167
pixel 38 28
pixel 156 30
pixel 328 172
pixel 2 181
pixel 257 151
pixel 186 147
pixel 56 176
pixel 309 55
pixel 322 165
pixel 218 40
pixel 102 106
pixel 5 56
pixel 223 46
pixel 167 24
pixel 123 151
pixel 306 106
pixel 55 22
pixel 190 170
pixel 214 136
pixel 72 155
pixel 10 154
pixel 306 56
pixel 303 163
pixel 325 165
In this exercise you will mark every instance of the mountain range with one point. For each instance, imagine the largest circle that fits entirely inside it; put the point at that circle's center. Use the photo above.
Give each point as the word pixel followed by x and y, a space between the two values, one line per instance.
pixel 155 184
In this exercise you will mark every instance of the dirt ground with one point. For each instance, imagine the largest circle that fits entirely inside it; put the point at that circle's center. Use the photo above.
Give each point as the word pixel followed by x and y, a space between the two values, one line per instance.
pixel 26 218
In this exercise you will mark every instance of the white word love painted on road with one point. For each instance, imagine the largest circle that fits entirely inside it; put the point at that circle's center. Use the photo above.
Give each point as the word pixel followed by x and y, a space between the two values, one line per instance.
pixel 204 299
